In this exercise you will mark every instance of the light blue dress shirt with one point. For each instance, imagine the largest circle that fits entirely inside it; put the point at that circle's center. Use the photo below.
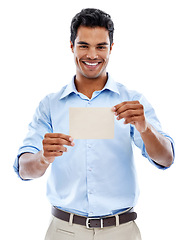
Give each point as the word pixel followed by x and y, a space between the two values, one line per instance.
pixel 95 177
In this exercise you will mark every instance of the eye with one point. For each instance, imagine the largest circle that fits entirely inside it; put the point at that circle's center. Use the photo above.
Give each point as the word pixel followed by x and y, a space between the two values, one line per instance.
pixel 83 46
pixel 101 47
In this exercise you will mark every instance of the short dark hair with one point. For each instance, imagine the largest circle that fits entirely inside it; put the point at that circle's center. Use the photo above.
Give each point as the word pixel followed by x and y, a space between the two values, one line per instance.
pixel 91 17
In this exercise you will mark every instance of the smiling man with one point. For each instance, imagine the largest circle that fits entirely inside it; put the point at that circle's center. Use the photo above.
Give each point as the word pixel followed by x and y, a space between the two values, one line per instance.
pixel 92 186
pixel 91 50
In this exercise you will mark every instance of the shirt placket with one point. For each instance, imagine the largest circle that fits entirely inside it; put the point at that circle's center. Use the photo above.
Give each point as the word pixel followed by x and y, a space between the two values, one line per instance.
pixel 90 171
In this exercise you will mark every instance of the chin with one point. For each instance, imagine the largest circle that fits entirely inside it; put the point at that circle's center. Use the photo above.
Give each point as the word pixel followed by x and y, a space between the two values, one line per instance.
pixel 94 76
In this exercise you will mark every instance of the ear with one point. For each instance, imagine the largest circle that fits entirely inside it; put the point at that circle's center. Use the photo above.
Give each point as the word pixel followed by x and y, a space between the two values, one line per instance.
pixel 111 47
pixel 71 46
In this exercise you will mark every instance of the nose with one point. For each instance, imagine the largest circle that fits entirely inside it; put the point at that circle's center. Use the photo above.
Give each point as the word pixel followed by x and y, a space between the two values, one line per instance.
pixel 92 53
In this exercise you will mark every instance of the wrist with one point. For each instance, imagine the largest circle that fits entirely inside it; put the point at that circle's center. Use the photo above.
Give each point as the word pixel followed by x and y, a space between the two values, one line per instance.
pixel 147 130
pixel 44 161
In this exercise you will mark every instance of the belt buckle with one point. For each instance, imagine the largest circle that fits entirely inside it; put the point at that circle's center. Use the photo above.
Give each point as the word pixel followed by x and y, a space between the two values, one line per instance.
pixel 88 222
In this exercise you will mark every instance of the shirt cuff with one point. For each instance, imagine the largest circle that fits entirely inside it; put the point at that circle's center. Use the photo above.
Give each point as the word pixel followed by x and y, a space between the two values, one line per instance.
pixel 145 154
pixel 16 162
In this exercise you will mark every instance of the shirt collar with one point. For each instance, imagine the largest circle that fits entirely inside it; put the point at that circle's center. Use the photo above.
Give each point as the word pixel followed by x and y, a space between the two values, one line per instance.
pixel 111 85
pixel 71 88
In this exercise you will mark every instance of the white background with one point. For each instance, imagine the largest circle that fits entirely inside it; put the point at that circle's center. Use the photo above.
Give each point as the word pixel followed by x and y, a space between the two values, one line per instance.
pixel 149 55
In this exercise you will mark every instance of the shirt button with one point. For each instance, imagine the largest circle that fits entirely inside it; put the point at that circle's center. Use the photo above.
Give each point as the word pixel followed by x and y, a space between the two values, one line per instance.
pixel 89 146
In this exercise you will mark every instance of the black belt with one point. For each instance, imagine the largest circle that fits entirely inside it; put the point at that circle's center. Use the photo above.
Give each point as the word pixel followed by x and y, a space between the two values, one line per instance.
pixel 109 221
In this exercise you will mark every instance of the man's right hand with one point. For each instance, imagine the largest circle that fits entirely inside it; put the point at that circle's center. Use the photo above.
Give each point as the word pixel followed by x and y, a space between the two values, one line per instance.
pixel 34 165
pixel 53 146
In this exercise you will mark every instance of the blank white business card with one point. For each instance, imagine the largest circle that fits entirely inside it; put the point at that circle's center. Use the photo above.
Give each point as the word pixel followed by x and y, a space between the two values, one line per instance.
pixel 91 123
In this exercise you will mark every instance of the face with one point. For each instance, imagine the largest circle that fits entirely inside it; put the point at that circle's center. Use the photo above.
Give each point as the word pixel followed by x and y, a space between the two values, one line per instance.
pixel 91 52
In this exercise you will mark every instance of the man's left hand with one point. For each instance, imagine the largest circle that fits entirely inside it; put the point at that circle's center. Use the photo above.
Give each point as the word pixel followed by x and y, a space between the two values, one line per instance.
pixel 133 113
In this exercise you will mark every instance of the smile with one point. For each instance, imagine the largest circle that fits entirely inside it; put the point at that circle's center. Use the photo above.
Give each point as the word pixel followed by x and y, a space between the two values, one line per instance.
pixel 91 63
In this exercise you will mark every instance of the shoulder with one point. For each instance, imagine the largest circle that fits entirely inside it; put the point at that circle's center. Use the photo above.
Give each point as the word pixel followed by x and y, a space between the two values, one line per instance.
pixel 132 95
pixel 54 96
pixel 128 94
pixel 50 101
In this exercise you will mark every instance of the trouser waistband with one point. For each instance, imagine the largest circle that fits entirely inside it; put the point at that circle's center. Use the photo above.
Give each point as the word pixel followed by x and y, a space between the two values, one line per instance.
pixel 101 222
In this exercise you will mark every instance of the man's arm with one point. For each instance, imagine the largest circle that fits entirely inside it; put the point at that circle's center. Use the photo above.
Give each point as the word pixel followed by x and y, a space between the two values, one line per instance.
pixel 32 165
pixel 157 146
pixel 35 165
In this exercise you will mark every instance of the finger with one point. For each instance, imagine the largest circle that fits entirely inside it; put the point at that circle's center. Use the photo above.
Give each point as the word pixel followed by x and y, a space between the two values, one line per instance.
pixel 129 106
pixel 58 135
pixel 54 148
pixel 56 141
pixel 52 154
pixel 59 138
pixel 116 107
pixel 128 109
pixel 130 113
pixel 133 120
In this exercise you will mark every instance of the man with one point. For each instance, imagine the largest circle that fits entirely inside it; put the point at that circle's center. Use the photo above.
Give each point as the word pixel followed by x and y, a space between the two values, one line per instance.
pixel 92 186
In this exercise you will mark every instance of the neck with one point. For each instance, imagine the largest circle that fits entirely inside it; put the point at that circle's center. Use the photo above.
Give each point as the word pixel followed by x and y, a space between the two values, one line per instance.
pixel 87 86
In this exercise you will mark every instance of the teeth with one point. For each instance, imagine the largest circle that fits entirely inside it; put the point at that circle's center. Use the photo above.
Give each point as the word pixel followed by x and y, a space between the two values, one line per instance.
pixel 90 64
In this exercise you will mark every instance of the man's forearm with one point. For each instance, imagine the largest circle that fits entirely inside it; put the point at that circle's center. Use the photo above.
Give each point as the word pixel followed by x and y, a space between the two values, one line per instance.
pixel 32 165
pixel 157 146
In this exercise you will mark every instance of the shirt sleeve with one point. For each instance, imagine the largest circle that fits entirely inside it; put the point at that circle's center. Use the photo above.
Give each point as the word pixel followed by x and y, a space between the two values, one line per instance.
pixel 153 120
pixel 40 125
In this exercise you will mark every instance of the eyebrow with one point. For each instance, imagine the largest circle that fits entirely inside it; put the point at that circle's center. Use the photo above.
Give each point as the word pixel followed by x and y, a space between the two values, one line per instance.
pixel 103 43
pixel 99 44
pixel 81 42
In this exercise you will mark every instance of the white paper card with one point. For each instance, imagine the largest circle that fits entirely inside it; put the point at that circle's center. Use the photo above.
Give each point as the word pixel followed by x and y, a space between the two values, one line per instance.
pixel 91 123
